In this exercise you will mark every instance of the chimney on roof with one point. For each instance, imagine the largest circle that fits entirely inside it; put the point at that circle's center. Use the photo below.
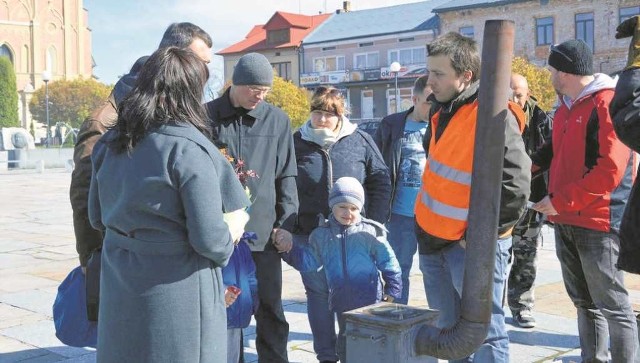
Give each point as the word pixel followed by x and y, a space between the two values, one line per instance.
pixel 346 6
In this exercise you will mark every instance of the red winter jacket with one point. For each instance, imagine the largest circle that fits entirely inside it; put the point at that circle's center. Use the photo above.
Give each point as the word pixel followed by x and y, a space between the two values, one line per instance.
pixel 591 170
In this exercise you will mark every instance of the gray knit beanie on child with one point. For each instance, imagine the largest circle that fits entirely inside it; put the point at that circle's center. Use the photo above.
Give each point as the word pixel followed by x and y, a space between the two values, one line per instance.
pixel 347 189
pixel 253 69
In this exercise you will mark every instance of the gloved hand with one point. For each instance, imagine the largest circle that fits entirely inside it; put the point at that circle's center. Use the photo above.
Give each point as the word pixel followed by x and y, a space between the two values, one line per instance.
pixel 236 221
pixel 631 28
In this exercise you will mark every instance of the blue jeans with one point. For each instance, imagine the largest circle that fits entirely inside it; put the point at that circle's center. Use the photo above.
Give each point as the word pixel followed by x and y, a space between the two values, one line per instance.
pixel 402 238
pixel 596 287
pixel 321 319
pixel 442 274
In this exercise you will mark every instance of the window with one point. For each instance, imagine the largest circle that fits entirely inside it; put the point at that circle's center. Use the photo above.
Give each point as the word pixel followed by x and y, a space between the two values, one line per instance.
pixel 365 60
pixel 626 13
pixel 283 70
pixel 367 44
pixel 584 28
pixel 327 64
pixel 410 39
pixel 6 52
pixel 405 100
pixel 408 55
pixel 277 36
pixel 467 31
pixel 544 31
pixel 328 48
pixel 52 60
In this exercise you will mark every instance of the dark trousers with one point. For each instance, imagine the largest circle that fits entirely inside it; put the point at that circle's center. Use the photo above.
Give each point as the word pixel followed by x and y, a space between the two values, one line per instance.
pixel 272 329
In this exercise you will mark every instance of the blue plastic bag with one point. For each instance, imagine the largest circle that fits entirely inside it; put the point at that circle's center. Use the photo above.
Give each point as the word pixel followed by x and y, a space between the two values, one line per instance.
pixel 70 313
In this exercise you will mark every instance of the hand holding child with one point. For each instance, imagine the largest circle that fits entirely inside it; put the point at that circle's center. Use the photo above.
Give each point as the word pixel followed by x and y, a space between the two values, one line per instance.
pixel 282 240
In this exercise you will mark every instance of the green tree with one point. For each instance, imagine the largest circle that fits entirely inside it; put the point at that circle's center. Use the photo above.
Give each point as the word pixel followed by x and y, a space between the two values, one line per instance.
pixel 539 80
pixel 293 100
pixel 8 95
pixel 69 101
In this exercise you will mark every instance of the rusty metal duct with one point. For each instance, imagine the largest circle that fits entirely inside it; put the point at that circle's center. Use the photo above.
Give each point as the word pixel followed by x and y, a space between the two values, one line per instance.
pixel 471 329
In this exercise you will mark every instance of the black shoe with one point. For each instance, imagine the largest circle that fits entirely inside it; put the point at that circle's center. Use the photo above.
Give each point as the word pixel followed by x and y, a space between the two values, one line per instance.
pixel 328 361
pixel 524 319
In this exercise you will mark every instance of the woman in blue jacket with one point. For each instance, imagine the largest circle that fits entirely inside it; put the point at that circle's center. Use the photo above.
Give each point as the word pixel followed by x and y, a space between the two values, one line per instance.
pixel 328 146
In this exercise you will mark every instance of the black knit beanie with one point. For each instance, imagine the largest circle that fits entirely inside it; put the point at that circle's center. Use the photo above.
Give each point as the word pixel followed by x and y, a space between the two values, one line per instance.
pixel 573 56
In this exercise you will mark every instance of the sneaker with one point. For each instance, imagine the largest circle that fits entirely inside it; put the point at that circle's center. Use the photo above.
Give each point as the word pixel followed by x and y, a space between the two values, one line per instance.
pixel 524 319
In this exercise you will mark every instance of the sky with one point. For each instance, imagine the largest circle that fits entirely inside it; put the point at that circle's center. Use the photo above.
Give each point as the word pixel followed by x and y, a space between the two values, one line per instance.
pixel 124 30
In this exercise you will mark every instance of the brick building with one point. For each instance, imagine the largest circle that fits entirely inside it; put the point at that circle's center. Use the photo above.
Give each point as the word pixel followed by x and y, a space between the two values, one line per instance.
pixel 541 23
pixel 39 35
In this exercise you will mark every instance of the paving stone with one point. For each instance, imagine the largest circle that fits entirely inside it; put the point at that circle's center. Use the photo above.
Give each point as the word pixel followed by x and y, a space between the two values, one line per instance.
pixel 21 282
pixel 13 316
pixel 38 301
pixel 41 334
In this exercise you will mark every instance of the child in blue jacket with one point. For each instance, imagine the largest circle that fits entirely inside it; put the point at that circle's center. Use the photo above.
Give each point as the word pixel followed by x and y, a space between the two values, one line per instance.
pixel 353 252
pixel 240 274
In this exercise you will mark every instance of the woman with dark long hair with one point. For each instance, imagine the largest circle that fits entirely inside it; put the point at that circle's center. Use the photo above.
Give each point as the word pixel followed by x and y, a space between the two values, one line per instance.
pixel 158 192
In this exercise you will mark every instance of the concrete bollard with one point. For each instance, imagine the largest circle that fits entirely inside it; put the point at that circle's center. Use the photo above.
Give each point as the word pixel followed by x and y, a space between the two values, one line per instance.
pixel 40 166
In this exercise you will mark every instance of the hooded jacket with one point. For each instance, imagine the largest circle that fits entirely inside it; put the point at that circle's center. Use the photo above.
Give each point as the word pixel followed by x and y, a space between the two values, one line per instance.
pixel 352 258
pixel 590 169
pixel 262 139
pixel 353 154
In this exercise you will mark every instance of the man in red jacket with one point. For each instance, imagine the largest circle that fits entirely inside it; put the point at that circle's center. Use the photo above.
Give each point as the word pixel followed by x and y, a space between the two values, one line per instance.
pixel 590 175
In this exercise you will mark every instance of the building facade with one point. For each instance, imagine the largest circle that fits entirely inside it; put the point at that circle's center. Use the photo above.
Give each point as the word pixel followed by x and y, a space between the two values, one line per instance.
pixel 353 51
pixel 542 23
pixel 278 40
pixel 41 35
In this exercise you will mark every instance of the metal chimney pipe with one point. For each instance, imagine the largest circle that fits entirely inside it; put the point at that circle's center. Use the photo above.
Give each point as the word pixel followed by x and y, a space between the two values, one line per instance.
pixel 471 329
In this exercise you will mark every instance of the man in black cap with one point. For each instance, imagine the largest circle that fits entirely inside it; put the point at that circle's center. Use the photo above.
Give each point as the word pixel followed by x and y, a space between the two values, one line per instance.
pixel 590 175
pixel 259 135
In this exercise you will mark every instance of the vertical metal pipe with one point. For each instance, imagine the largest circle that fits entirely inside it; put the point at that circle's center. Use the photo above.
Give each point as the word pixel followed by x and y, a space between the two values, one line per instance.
pixel 46 107
pixel 470 331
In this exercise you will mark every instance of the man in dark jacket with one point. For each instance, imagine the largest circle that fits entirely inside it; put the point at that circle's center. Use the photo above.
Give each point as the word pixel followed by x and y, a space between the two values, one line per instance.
pixel 443 204
pixel 259 135
pixel 625 112
pixel 399 138
pixel 590 175
pixel 182 35
pixel 104 117
pixel 537 130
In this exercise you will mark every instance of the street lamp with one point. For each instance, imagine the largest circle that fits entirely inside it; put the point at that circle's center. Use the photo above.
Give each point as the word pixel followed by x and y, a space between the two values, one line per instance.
pixel 46 77
pixel 395 68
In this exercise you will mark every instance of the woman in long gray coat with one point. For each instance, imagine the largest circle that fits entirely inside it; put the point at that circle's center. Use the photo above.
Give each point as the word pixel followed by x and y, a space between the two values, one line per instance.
pixel 158 191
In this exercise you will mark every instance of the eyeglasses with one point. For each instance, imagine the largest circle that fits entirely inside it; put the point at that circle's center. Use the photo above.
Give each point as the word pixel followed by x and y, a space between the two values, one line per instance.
pixel 556 49
pixel 255 90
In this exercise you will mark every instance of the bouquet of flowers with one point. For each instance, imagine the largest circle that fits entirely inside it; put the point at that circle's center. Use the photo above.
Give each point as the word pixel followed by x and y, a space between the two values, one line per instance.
pixel 239 218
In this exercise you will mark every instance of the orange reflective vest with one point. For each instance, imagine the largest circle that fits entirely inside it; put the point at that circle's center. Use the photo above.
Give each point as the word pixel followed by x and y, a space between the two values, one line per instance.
pixel 442 206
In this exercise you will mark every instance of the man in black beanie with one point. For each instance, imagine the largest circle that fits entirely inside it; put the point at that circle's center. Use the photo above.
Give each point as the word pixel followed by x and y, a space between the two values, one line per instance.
pixel 259 134
pixel 590 175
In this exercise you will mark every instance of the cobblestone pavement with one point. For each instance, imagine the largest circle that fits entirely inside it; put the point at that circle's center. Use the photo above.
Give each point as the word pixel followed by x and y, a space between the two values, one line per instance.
pixel 37 250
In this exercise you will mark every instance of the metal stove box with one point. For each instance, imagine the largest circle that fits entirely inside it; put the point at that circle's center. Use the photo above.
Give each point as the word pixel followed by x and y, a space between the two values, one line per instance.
pixel 385 332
